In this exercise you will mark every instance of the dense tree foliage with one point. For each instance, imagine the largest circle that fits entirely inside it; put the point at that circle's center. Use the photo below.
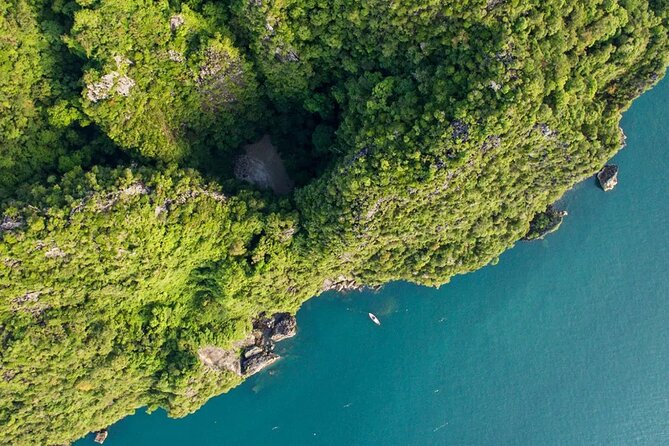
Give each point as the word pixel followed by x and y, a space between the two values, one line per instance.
pixel 169 84
pixel 424 137
pixel 35 88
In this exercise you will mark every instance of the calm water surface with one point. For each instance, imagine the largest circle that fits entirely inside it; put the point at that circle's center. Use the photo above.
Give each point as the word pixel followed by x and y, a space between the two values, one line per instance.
pixel 564 342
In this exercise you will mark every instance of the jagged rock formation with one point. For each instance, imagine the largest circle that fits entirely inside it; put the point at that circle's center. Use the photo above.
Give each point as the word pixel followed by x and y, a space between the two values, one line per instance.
pixel 255 352
pixel 342 283
pixel 608 177
pixel 98 91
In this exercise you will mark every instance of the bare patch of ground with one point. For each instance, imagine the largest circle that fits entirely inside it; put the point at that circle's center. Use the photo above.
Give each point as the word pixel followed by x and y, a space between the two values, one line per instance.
pixel 262 166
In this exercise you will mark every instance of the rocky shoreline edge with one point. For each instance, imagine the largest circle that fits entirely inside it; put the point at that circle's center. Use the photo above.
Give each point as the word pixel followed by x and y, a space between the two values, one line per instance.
pixel 255 352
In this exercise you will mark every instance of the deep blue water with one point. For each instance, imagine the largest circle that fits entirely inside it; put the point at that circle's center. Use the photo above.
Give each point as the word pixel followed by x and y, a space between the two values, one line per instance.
pixel 564 342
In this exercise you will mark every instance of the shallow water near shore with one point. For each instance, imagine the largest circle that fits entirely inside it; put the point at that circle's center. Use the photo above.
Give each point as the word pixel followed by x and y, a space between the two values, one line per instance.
pixel 564 342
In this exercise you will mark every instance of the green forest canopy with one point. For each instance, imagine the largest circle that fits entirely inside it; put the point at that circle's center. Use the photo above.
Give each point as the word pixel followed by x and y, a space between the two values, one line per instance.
pixel 423 136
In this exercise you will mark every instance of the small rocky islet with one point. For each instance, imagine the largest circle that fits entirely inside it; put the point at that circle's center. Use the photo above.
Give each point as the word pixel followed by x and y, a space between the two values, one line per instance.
pixel 608 177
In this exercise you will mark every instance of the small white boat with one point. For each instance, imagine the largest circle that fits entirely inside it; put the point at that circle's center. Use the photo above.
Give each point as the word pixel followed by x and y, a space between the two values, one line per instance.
pixel 374 319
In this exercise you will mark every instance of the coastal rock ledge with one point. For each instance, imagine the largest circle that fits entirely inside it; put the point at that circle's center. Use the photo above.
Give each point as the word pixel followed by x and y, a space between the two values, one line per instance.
pixel 256 351
pixel 608 177
pixel 545 222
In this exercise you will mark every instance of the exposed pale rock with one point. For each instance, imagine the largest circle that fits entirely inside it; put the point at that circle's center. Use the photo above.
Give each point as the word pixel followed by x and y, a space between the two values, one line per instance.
pixel 55 253
pixel 341 283
pixel 221 74
pixel 176 21
pixel 220 359
pixel 10 223
pixel 30 303
pixel 252 351
pixel 122 61
pixel 8 375
pixel 135 189
pixel 286 55
pixel 124 85
pixel 491 142
pixel 186 197
pixel 112 198
pixel 11 263
pixel 102 89
pixel 491 4
pixel 31 296
pixel 175 56
pixel 262 166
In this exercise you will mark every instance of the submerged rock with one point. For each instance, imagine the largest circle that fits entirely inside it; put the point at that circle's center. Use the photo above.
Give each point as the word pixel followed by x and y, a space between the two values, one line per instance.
pixel 608 177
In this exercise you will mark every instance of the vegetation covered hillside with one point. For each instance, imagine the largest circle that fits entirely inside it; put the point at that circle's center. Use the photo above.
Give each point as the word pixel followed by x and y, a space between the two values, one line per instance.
pixel 422 137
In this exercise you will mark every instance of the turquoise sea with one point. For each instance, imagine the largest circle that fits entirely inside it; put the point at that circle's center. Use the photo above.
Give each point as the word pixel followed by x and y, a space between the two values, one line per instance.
pixel 564 342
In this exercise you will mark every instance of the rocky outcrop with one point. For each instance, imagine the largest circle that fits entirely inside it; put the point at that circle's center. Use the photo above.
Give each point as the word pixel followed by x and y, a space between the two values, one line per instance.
pixel 460 130
pixel 257 362
pixel 176 21
pixel 186 197
pixel 341 283
pixel 275 328
pixel 545 130
pixel 220 76
pixel 262 166
pixel 55 253
pixel 608 177
pixel 254 353
pixel 544 223
pixel 220 359
pixel 108 83
pixel 30 303
pixel 10 223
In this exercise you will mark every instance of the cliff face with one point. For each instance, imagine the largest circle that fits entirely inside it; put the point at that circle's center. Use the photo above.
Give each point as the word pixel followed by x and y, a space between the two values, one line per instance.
pixel 128 283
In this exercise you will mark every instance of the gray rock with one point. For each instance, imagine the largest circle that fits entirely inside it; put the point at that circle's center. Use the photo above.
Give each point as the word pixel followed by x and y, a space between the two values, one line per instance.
pixel 545 130
pixel 98 91
pixel 220 359
pixel 9 224
pixel 460 130
pixel 252 351
pixel 256 363
pixel 176 21
pixel 608 177
pixel 55 253
pixel 175 56
pixel 285 326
